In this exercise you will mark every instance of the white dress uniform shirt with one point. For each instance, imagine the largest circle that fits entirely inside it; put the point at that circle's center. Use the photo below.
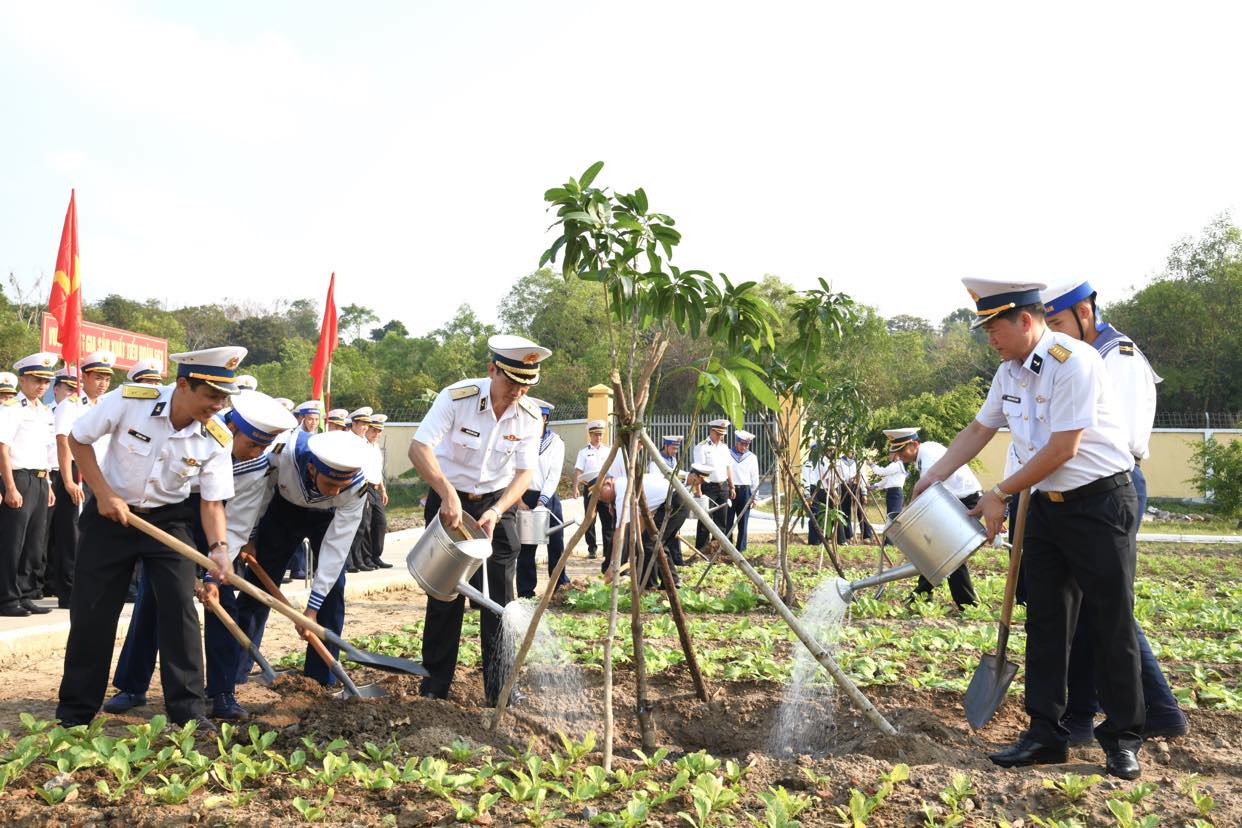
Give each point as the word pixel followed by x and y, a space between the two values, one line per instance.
pixel 251 492
pixel 67 412
pixel 1045 394
pixel 890 476
pixel 1135 384
pixel 716 455
pixel 373 471
pixel 478 451
pixel 655 489
pixel 617 469
pixel 148 462
pixel 287 474
pixel 26 428
pixel 745 470
pixel 962 483
pixel 845 470
pixel 590 460
pixel 548 471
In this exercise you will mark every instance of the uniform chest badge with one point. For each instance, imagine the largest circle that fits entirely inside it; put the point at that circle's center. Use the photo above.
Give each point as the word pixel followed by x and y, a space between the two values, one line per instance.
pixel 512 437
pixel 139 436
pixel 469 431
pixel 189 461
pixel 1011 398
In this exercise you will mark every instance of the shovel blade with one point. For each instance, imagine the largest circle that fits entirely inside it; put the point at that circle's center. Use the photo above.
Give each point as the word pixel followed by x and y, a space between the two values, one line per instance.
pixel 365 691
pixel 387 663
pixel 986 691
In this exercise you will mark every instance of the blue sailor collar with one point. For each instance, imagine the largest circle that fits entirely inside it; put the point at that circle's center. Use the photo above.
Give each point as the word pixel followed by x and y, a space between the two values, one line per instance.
pixel 302 457
pixel 1106 334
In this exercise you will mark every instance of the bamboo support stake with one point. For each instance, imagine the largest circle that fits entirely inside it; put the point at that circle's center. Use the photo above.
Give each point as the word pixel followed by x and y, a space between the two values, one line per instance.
pixel 825 658
pixel 588 519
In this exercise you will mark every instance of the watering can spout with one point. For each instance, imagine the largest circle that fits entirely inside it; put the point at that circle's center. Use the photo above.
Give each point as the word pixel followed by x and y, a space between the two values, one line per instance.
pixel 480 599
pixel 848 591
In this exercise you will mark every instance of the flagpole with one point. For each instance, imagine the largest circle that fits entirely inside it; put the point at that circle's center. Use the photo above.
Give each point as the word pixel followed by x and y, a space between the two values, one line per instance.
pixel 327 397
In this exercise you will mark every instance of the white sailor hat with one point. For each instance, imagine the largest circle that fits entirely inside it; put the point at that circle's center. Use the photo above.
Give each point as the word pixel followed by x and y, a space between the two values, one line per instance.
pixel 744 436
pixel 41 365
pixel 285 402
pixel 719 425
pixel 245 382
pixel 1060 297
pixel 99 361
pixel 361 415
pixel 8 383
pixel 517 357
pixel 595 425
pixel 377 421
pixel 703 469
pixel 994 296
pixel 544 406
pixel 259 417
pixel 67 376
pixel 145 370
pixel 215 366
pixel 337 416
pixel 337 454
pixel 309 407
pixel 898 437
pixel 673 439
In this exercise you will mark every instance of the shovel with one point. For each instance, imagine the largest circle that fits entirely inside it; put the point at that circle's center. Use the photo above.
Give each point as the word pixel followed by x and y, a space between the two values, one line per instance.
pixel 391 664
pixel 992 677
pixel 367 691
pixel 266 675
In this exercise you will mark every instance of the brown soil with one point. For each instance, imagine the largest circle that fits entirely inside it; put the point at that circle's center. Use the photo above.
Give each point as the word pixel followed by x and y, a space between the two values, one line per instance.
pixel 737 722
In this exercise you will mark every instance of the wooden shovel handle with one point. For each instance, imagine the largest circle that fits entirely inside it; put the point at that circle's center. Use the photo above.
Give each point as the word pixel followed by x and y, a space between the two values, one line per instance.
pixel 271 587
pixel 1015 557
pixel 225 619
pixel 185 550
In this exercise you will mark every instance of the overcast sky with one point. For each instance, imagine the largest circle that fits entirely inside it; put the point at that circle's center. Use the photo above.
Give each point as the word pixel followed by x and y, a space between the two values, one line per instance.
pixel 243 151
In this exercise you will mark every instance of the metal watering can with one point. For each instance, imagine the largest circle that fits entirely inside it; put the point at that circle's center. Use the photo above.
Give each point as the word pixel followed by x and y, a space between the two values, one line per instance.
pixel 443 560
pixel 935 533
pixel 534 525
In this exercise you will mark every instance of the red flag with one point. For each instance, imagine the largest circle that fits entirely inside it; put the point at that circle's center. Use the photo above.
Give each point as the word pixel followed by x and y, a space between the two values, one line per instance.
pixel 65 303
pixel 327 344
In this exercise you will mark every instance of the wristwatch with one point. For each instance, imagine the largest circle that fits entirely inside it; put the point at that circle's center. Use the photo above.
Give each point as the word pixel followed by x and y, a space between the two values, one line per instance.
pixel 1000 493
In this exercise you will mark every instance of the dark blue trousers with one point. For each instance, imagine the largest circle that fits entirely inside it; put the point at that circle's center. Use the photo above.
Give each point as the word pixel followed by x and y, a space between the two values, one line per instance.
pixel 1159 699
pixel 894 500
pixel 282 527
pixel 527 577
pixel 739 514
pixel 819 504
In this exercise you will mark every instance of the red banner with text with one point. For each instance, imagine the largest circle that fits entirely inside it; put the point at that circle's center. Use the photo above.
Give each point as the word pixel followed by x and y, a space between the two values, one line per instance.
pixel 128 346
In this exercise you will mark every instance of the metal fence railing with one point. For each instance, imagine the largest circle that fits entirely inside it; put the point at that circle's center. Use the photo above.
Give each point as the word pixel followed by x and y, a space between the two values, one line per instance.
pixel 658 425
pixel 1198 420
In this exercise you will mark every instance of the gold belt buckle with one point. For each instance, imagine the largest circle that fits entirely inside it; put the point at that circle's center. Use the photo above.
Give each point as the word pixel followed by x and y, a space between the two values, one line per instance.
pixel 1056 497
pixel 41 473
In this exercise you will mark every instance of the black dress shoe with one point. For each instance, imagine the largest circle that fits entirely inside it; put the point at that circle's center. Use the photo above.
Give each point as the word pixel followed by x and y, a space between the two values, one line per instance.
pixel 123 701
pixel 1027 751
pixel 1122 762
pixel 382 564
pixel 34 609
pixel 1168 726
pixel 14 612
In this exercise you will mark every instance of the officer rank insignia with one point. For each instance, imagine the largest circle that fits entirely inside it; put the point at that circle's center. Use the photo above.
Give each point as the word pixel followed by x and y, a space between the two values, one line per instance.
pixel 218 432
pixel 463 392
pixel 1126 348
pixel 1059 352
pixel 137 391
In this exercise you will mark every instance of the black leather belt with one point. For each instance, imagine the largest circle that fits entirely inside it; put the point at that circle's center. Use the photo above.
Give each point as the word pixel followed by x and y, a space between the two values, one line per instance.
pixel 1104 484
pixel 35 472
pixel 484 496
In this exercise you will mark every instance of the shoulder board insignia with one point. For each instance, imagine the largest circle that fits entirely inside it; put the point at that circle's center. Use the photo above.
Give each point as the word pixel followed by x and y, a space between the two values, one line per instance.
pixel 218 432
pixel 138 391
pixel 529 407
pixel 464 392
pixel 1059 352
pixel 1126 348
pixel 278 448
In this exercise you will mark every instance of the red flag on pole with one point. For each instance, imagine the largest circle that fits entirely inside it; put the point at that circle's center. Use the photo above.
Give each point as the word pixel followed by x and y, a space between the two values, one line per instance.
pixel 65 303
pixel 321 367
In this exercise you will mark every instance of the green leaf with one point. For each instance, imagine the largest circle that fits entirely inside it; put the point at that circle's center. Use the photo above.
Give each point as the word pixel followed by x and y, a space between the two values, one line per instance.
pixel 758 389
pixel 587 177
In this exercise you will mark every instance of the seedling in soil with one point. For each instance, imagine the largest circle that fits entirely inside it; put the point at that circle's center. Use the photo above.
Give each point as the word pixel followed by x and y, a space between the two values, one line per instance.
pixel 459 751
pixel 861 806
pixel 710 797
pixel 465 812
pixel 635 813
pixel 698 762
pixel 957 794
pixel 55 794
pixel 1123 812
pixel 932 817
pixel 1051 822
pixel 316 752
pixel 1072 786
pixel 176 790
pixel 661 793
pixel 535 814
pixel 1138 793
pixel 314 810
pixel 577 750
pixel 650 762
pixel 780 808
